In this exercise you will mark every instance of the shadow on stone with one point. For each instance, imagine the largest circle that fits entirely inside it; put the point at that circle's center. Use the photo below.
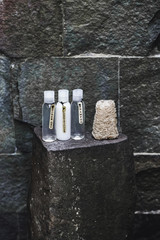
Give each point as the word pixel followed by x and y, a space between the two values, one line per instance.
pixel 154 31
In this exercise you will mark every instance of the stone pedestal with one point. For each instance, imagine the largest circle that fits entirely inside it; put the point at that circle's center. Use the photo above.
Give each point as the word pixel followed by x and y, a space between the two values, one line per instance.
pixel 82 190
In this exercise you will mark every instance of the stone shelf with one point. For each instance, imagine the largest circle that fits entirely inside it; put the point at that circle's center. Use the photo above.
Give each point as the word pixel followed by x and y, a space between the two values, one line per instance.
pixel 82 190
pixel 86 142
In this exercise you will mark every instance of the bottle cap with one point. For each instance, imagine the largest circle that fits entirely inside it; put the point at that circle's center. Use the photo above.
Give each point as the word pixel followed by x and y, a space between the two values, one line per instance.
pixel 63 95
pixel 49 97
pixel 77 95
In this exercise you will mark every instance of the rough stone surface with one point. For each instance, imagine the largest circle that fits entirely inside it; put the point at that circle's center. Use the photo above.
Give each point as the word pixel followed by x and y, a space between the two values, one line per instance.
pixel 31 28
pixel 24 135
pixel 147 181
pixel 7 134
pixel 82 189
pixel 15 72
pixel 148 190
pixel 146 162
pixel 140 102
pixel 111 27
pixel 14 181
pixel 105 120
pixel 97 77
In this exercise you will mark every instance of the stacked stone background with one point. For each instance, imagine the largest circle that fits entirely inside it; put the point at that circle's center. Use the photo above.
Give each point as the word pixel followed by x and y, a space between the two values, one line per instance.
pixel 111 50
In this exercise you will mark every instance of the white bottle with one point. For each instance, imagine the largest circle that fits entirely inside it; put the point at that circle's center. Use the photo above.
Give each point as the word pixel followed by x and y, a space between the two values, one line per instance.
pixel 48 117
pixel 77 115
pixel 63 115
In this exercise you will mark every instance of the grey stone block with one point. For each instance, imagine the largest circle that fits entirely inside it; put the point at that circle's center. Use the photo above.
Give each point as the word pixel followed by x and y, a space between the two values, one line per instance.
pixel 7 134
pixel 111 27
pixel 147 181
pixel 14 182
pixel 31 28
pixel 140 102
pixel 97 77
pixel 82 189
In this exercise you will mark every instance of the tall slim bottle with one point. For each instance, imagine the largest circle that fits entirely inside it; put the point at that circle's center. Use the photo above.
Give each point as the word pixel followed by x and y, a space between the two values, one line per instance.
pixel 63 115
pixel 77 115
pixel 48 117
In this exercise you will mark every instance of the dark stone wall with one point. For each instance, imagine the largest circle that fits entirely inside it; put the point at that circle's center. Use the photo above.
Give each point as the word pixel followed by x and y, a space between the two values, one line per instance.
pixel 14 184
pixel 148 174
pixel 110 27
pixel 140 102
pixel 109 48
pixel 31 28
pixel 51 28
pixel 98 78
pixel 82 189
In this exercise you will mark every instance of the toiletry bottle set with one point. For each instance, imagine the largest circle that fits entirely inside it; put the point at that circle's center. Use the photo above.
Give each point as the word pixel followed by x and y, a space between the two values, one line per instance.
pixel 63 120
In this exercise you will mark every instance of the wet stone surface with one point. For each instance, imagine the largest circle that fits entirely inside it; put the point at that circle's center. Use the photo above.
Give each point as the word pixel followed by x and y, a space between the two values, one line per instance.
pixel 82 190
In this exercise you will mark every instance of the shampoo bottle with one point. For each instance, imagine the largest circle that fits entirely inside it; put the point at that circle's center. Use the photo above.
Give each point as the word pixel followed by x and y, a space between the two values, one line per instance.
pixel 48 117
pixel 63 115
pixel 77 115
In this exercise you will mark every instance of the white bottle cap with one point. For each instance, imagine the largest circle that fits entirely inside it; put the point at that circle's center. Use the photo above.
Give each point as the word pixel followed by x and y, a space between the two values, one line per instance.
pixel 63 95
pixel 49 97
pixel 77 95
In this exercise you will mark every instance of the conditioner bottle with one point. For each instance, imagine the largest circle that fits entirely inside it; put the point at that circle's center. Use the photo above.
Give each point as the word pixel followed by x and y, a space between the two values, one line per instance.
pixel 48 117
pixel 63 115
pixel 77 115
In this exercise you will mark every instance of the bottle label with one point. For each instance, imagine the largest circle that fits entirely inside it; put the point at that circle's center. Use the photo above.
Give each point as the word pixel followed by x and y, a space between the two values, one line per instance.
pixel 64 118
pixel 51 119
pixel 80 112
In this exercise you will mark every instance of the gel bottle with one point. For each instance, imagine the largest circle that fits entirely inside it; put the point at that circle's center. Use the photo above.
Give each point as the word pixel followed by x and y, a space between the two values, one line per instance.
pixel 48 117
pixel 63 115
pixel 77 115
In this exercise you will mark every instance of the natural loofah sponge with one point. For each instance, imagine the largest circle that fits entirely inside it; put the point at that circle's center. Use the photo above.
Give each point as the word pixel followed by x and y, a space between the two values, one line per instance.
pixel 105 120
